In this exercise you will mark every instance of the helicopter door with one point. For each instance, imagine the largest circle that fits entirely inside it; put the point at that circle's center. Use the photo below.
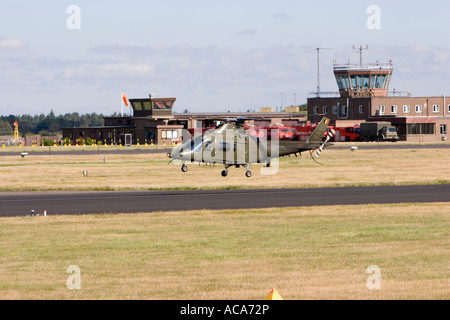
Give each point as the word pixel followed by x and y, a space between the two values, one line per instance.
pixel 241 155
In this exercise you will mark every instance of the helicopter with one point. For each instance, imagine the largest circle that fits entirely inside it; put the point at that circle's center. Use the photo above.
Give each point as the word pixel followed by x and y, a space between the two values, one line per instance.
pixel 231 145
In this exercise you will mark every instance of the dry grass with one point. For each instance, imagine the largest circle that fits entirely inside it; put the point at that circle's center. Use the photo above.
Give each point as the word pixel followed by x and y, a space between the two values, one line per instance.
pixel 151 171
pixel 306 253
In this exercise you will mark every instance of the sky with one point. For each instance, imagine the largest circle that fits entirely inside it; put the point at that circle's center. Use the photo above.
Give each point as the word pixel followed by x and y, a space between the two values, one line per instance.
pixel 213 56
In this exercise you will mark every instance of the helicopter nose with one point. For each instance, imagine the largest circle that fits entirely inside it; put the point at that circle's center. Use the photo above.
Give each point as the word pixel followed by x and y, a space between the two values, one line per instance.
pixel 176 153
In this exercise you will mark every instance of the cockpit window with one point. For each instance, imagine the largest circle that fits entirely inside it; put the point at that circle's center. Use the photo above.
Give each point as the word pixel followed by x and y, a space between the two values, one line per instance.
pixel 196 143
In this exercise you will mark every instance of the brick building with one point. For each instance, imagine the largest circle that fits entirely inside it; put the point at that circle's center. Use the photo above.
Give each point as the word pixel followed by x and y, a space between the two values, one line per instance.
pixel 364 96
pixel 153 121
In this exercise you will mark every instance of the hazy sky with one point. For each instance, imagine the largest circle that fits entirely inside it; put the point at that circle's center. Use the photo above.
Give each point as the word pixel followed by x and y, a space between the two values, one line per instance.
pixel 211 55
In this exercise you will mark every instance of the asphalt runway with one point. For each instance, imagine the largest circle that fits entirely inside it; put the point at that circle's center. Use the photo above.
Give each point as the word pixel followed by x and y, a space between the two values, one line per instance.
pixel 21 203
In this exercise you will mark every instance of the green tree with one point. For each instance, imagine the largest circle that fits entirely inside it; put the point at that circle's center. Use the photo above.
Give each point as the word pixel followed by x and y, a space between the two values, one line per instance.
pixel 5 128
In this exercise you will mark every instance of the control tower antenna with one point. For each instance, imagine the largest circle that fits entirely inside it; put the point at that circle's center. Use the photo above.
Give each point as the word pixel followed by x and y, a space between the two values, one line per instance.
pixel 318 66
pixel 360 49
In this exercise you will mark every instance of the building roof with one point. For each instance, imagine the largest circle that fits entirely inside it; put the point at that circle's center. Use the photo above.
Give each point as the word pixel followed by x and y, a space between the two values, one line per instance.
pixel 250 115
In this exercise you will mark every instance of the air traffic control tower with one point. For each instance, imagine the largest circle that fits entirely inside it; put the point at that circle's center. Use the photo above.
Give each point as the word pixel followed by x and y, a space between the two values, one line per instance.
pixel 364 96
pixel 362 81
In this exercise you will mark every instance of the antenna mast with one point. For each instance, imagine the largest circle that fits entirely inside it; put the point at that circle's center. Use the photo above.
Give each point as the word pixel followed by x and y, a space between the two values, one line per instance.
pixel 360 49
pixel 318 66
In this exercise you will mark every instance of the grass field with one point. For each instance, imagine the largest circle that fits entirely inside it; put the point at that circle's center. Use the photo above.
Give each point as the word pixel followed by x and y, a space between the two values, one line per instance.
pixel 151 171
pixel 306 253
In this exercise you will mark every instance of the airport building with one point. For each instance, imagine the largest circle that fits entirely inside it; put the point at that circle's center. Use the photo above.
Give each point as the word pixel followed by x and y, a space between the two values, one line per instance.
pixel 364 96
pixel 154 122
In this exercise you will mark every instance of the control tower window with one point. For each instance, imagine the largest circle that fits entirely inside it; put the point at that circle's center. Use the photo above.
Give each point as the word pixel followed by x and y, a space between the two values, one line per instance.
pixel 137 106
pixel 359 81
pixel 342 81
pixel 373 82
pixel 353 81
pixel 365 81
pixel 378 81
pixel 339 82
pixel 147 105
pixel 381 80
pixel 162 105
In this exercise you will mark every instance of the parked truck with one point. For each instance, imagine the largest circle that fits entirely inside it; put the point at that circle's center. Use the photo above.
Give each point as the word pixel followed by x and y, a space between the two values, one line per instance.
pixel 378 131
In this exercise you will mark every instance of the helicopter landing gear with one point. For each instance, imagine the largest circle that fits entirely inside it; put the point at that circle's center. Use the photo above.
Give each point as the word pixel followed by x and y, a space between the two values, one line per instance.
pixel 248 173
pixel 184 168
pixel 225 171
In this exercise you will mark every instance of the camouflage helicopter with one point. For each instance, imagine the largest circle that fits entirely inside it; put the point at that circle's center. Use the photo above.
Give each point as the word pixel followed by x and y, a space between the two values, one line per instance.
pixel 231 145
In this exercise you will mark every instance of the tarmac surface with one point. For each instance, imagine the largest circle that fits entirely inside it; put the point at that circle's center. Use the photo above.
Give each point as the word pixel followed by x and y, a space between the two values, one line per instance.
pixel 21 203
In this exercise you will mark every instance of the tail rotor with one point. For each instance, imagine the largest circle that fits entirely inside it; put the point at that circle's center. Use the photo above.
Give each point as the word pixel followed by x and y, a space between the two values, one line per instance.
pixel 317 152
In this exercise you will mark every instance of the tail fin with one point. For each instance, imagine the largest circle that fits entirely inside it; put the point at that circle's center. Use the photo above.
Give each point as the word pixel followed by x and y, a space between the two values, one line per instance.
pixel 319 143
pixel 318 134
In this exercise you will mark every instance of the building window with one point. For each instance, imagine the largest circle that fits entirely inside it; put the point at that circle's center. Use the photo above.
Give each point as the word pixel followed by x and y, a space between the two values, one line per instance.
pixel 393 109
pixel 443 129
pixel 418 108
pixel 335 109
pixel 316 110
pixel 420 128
pixel 448 108
pixel 435 108
pixel 344 109
pixel 381 109
pixel 406 109
pixel 361 109
pixel 324 109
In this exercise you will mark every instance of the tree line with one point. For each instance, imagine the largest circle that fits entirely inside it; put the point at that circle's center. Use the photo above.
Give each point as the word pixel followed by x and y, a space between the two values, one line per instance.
pixel 47 125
